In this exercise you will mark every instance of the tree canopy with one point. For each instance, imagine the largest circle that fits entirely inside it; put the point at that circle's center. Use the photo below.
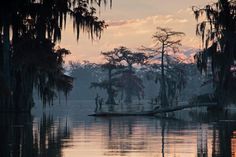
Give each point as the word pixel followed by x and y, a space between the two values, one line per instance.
pixel 166 41
pixel 28 56
pixel 121 75
pixel 217 29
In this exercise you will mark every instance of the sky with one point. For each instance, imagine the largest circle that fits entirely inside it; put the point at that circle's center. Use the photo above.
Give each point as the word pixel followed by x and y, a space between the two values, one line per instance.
pixel 131 23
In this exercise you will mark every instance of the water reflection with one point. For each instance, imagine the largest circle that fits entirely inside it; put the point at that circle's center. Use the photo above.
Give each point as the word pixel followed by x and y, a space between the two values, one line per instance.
pixel 50 135
pixel 23 137
pixel 141 136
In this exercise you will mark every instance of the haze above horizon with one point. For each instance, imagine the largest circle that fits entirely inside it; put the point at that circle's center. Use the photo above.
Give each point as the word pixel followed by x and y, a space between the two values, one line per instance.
pixel 131 23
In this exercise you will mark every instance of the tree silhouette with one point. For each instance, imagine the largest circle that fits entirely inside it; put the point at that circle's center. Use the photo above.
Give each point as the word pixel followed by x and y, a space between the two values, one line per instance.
pixel 121 75
pixel 129 81
pixel 165 40
pixel 175 78
pixel 46 138
pixel 111 84
pixel 35 27
pixel 216 26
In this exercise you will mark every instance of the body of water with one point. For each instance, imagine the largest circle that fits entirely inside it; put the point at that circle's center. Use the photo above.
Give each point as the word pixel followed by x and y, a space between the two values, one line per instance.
pixel 66 131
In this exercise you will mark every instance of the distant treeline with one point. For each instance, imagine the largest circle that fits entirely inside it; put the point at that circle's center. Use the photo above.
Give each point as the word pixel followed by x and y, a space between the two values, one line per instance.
pixel 85 73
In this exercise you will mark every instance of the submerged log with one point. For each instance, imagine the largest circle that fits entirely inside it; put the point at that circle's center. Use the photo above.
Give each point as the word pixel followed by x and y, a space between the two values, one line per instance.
pixel 155 111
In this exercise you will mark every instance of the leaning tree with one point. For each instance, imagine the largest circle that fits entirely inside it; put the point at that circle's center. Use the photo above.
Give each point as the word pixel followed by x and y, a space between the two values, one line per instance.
pixel 28 56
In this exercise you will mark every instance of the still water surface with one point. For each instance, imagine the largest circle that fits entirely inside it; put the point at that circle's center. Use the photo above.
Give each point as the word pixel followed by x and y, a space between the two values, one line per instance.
pixel 67 131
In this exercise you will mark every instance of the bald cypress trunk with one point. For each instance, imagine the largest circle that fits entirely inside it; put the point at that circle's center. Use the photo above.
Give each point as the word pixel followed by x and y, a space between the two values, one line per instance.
pixel 18 84
pixel 7 100
pixel 164 101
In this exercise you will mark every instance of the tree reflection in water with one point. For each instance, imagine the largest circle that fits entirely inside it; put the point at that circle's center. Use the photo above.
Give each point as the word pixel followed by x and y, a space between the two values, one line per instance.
pixel 25 136
pixel 20 138
pixel 16 136
pixel 124 137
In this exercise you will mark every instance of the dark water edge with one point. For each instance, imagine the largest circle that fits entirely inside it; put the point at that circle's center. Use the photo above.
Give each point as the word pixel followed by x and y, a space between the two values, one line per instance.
pixel 65 130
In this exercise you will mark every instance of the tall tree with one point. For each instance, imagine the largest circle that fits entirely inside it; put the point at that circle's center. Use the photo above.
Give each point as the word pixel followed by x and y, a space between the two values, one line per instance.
pixel 165 40
pixel 217 27
pixel 38 24
pixel 175 78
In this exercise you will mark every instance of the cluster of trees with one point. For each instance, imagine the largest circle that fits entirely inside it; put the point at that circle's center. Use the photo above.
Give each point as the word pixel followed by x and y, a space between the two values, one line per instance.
pixel 161 67
pixel 29 30
pixel 121 74
pixel 217 28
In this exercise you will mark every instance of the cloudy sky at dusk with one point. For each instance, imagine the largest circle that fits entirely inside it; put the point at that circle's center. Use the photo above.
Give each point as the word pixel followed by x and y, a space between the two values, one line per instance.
pixel 132 24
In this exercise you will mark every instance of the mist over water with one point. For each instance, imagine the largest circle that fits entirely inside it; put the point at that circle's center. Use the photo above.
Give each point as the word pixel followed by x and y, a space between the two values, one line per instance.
pixel 148 94
pixel 68 131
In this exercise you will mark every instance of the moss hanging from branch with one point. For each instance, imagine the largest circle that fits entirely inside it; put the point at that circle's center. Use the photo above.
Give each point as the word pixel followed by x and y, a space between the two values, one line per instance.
pixel 33 61
pixel 217 29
